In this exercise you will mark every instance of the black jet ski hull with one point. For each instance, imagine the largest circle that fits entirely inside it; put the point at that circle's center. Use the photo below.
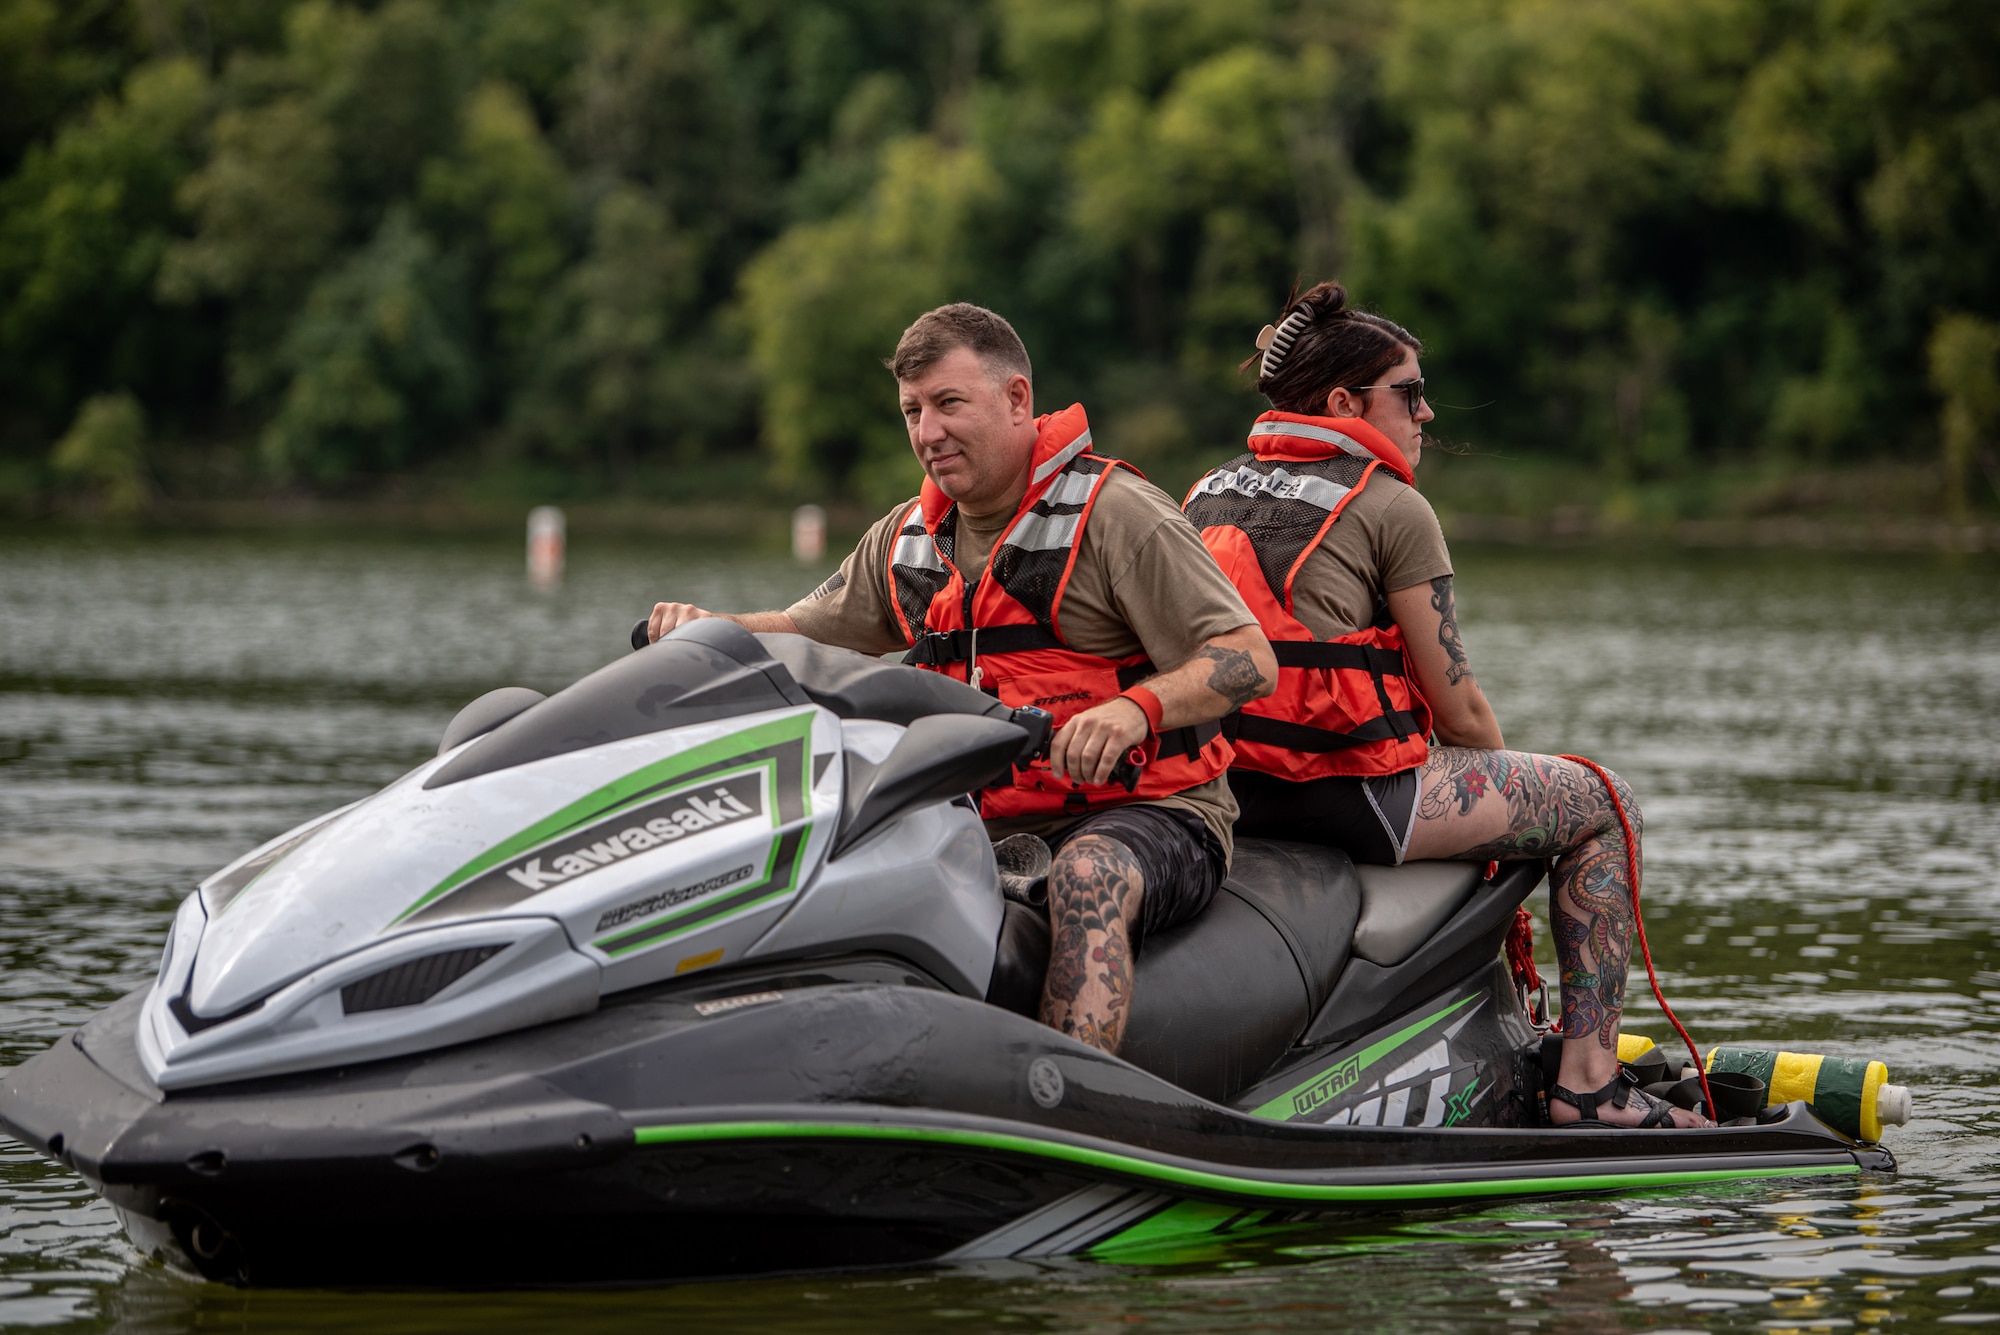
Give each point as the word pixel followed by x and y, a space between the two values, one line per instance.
pixel 857 1115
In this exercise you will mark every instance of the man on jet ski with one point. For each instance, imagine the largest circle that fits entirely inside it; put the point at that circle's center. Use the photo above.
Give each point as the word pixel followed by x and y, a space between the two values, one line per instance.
pixel 1058 578
pixel 1321 527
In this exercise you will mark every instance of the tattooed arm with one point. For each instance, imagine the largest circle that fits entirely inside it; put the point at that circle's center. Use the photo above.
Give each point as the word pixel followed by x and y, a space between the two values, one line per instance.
pixel 1428 617
pixel 1227 672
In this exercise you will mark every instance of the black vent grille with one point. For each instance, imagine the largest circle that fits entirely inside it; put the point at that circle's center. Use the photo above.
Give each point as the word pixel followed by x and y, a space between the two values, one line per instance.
pixel 413 982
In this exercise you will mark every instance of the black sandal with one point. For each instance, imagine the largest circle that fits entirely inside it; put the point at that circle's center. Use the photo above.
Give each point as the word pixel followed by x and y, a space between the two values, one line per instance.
pixel 1618 1093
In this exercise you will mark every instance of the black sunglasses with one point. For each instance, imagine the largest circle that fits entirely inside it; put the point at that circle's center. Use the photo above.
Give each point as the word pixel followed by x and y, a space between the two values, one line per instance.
pixel 1413 391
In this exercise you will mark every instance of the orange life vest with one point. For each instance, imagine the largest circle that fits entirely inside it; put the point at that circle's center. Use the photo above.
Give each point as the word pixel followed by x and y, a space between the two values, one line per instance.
pixel 1342 706
pixel 1004 634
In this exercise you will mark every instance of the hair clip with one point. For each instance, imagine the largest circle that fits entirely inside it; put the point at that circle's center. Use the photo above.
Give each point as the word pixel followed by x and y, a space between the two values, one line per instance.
pixel 1276 342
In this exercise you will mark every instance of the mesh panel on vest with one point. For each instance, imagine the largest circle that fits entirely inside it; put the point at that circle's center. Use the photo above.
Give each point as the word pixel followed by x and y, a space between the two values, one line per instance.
pixel 917 585
pixel 1278 526
pixel 1032 576
pixel 947 534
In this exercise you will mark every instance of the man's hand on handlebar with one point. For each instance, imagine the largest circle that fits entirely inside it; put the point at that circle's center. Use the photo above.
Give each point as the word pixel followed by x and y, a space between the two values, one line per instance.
pixel 1090 746
pixel 671 616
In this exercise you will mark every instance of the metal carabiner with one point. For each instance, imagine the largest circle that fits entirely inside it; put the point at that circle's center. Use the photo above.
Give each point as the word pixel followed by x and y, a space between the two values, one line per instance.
pixel 1536 1005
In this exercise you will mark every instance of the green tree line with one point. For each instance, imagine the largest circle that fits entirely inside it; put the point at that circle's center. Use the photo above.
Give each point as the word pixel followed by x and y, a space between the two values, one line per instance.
pixel 245 242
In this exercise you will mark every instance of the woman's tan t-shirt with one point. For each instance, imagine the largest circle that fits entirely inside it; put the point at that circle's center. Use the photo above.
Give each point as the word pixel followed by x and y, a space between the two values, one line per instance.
pixel 1386 539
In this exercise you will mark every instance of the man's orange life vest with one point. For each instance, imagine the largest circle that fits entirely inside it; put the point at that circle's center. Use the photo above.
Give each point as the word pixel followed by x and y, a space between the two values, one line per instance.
pixel 1004 634
pixel 1343 706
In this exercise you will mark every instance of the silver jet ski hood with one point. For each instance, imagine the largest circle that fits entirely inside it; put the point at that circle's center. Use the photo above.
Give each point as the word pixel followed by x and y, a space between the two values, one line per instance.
pixel 662 816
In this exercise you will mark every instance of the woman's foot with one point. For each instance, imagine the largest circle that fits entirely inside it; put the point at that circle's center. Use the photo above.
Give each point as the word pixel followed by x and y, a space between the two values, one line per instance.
pixel 1617 1103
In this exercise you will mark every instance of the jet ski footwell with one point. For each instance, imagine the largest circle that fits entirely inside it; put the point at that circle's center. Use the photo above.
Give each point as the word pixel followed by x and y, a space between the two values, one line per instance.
pixel 852 1115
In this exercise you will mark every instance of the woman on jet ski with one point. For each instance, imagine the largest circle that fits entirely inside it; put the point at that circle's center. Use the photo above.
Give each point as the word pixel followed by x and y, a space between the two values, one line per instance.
pixel 1322 530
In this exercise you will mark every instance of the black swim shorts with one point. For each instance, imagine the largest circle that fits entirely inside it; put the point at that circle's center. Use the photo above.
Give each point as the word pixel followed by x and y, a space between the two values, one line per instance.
pixel 1370 819
pixel 1179 857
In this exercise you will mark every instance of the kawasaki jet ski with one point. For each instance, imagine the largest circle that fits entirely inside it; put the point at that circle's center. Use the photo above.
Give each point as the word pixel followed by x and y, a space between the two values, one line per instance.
pixel 703 966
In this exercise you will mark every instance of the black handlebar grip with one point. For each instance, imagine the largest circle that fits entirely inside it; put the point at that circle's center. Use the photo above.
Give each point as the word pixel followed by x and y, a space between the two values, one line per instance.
pixel 639 637
pixel 1041 731
pixel 1040 726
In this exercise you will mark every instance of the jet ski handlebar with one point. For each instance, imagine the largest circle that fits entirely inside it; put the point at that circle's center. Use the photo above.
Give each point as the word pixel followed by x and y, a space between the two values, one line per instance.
pixel 1040 726
pixel 1037 723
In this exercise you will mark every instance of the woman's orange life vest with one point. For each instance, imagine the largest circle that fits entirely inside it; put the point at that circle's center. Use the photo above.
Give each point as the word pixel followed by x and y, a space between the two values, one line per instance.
pixel 1004 635
pixel 1342 706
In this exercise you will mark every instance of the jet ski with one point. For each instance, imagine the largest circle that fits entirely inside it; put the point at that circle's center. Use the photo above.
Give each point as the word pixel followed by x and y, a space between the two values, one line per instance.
pixel 704 966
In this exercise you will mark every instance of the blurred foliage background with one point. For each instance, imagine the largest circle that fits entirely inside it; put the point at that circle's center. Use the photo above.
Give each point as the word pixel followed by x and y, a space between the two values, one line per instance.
pixel 1666 254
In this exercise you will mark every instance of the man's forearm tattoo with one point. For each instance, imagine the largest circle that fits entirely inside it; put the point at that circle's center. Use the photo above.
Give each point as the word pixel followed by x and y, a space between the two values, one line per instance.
pixel 1235 676
pixel 1454 648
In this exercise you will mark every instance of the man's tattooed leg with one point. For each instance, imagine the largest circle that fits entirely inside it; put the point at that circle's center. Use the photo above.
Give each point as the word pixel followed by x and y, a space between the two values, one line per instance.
pixel 1095 889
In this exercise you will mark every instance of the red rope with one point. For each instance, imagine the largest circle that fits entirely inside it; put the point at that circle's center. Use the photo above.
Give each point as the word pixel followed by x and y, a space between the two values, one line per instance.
pixel 1639 926
pixel 1521 953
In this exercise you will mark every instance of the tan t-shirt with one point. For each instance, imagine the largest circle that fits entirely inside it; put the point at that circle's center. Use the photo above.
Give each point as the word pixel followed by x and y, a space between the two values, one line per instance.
pixel 1143 583
pixel 1386 539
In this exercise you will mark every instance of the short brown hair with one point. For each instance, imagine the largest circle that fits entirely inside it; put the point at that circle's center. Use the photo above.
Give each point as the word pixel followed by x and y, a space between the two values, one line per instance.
pixel 936 334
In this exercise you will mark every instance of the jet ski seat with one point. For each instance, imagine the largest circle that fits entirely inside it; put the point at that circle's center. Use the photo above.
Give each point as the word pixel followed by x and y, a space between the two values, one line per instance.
pixel 1218 999
pixel 1401 907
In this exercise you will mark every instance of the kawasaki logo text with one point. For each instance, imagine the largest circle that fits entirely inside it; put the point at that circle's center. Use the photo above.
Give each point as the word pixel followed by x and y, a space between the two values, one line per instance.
pixel 676 817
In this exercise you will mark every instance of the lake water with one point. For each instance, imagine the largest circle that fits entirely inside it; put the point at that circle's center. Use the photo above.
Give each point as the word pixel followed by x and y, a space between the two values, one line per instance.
pixel 1815 739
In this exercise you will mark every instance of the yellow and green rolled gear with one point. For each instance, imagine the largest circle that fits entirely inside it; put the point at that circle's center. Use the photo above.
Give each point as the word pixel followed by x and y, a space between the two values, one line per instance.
pixel 1631 1047
pixel 1842 1091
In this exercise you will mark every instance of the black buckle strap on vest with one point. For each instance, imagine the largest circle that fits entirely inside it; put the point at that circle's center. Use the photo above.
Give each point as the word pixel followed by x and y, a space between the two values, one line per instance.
pixel 1240 727
pixel 1347 657
pixel 1188 741
pixel 937 648
pixel 1377 663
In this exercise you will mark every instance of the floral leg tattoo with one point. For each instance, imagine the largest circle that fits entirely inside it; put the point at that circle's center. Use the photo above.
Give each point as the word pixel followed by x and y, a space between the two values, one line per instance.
pixel 1557 809
pixel 1095 889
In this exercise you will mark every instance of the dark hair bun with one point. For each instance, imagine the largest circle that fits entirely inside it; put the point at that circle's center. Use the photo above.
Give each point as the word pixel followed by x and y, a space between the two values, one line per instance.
pixel 1321 343
pixel 1323 298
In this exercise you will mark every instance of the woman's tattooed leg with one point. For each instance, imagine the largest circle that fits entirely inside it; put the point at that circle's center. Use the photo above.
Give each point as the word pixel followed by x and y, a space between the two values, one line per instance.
pixel 1095 889
pixel 1511 804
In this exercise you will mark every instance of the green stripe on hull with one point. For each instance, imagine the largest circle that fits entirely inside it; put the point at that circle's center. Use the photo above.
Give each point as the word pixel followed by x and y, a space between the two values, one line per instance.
pixel 1177 1226
pixel 1199 1179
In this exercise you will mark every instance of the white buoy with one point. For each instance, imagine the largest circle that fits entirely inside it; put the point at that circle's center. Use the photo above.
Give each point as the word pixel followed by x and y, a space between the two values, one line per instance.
pixel 546 539
pixel 808 534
